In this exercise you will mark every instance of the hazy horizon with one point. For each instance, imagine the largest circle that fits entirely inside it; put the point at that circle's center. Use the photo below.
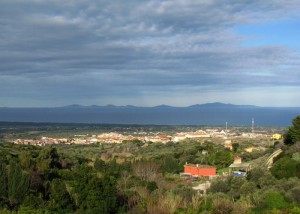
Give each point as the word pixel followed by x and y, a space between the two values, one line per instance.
pixel 149 106
pixel 156 116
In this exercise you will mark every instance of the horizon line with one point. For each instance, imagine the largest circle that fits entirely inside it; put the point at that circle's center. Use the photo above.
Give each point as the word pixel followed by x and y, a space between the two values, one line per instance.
pixel 160 105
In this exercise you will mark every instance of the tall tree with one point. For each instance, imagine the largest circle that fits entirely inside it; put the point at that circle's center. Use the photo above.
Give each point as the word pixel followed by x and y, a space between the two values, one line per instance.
pixel 293 134
pixel 3 182
pixel 286 167
pixel 221 159
pixel 26 159
pixel 18 183
pixel 48 158
pixel 94 194
pixel 59 198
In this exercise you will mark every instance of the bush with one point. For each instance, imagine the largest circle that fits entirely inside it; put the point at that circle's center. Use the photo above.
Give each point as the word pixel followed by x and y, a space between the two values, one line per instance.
pixel 151 186
pixel 286 167
pixel 222 205
pixel 274 200
pixel 294 194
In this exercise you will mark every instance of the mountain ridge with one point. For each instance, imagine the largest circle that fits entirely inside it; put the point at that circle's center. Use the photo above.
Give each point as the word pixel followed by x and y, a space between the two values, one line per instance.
pixel 205 114
pixel 222 105
pixel 210 105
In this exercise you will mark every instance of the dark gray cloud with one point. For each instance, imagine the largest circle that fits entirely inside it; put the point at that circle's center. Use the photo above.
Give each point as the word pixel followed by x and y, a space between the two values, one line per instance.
pixel 61 52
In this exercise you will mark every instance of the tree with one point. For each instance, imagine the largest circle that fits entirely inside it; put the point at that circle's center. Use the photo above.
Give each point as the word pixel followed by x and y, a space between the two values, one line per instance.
pixel 235 146
pixel 274 200
pixel 266 181
pixel 48 158
pixel 221 159
pixel 294 194
pixel 101 197
pixel 48 162
pixel 235 187
pixel 146 170
pixel 36 182
pixel 100 165
pixel 293 134
pixel 255 174
pixel 171 165
pixel 18 183
pixel 93 194
pixel 59 198
pixel 3 182
pixel 220 185
pixel 286 167
pixel 26 160
pixel 248 188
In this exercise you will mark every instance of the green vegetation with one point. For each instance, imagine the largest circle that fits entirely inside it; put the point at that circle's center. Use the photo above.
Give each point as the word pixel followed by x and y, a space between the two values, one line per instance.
pixel 292 136
pixel 38 179
pixel 138 177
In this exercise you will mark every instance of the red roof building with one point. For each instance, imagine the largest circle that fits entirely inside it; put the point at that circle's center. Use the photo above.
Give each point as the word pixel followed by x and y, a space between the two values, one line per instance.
pixel 200 170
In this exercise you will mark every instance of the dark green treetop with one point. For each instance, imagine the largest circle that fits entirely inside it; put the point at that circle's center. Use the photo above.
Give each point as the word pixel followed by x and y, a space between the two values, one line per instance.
pixel 293 134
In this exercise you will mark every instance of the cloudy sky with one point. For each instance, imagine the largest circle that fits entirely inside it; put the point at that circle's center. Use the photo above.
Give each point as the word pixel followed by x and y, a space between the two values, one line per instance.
pixel 149 52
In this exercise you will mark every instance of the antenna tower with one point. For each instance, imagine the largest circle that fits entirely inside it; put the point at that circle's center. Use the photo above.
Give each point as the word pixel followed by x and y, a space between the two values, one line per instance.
pixel 252 125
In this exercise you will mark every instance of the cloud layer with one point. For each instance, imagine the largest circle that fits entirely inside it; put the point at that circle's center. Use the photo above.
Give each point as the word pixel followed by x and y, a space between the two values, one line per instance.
pixel 176 52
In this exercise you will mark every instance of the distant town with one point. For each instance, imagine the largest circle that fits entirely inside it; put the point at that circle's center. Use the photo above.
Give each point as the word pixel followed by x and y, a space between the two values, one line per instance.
pixel 114 137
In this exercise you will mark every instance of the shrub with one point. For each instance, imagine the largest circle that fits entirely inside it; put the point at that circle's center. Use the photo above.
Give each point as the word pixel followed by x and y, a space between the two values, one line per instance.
pixel 274 200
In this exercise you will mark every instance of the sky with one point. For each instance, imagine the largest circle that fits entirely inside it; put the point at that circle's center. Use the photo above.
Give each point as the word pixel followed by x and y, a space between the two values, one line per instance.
pixel 149 52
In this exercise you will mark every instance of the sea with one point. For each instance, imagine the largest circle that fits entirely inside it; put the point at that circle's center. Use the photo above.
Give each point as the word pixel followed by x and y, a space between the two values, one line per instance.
pixel 233 116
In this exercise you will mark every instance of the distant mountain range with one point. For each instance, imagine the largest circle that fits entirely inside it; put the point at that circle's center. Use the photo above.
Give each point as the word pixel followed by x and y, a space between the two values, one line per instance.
pixel 206 105
pixel 211 114
pixel 222 105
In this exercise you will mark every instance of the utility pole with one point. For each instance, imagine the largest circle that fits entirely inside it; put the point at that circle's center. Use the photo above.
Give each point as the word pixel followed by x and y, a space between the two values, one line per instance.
pixel 252 125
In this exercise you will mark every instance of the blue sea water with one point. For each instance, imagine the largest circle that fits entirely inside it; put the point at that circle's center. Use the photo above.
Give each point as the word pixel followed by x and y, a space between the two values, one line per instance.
pixel 157 116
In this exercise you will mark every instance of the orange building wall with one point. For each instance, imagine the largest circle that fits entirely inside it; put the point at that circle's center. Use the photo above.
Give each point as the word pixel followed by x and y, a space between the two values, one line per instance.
pixel 200 171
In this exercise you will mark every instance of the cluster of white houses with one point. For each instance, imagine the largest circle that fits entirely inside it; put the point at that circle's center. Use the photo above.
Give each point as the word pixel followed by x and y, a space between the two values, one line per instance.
pixel 103 138
pixel 111 137
pixel 114 137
